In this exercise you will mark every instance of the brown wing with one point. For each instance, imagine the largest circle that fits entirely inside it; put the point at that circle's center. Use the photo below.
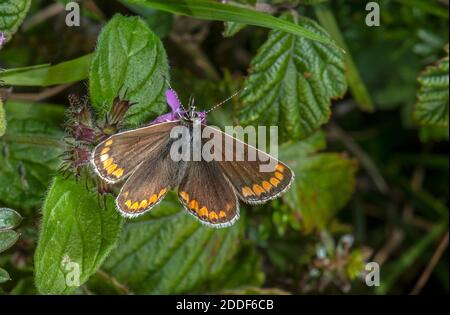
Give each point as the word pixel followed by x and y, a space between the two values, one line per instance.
pixel 118 156
pixel 207 194
pixel 255 181
pixel 150 182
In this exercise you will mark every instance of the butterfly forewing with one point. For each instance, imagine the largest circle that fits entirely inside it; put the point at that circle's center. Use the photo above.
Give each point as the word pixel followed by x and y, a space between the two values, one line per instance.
pixel 256 178
pixel 118 156
pixel 206 193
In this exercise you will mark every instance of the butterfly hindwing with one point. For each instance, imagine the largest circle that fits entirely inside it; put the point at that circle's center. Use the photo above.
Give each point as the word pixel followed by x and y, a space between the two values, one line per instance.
pixel 150 182
pixel 118 156
pixel 206 193
pixel 255 180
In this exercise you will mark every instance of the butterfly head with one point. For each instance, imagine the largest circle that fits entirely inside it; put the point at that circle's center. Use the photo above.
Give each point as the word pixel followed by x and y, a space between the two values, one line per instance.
pixel 193 115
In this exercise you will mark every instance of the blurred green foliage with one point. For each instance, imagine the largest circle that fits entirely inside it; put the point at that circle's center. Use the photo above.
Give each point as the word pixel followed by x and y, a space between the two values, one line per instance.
pixel 370 186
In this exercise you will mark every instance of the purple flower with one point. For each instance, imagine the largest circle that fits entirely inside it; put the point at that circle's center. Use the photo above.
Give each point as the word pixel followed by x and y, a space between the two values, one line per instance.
pixel 177 110
pixel 175 105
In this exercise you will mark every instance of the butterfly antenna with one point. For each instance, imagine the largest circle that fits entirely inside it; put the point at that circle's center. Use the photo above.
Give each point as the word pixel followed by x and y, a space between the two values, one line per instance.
pixel 225 100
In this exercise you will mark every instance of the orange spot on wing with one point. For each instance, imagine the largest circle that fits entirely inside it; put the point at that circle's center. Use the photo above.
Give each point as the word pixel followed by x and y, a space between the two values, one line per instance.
pixel 135 206
pixel 222 214
pixel 153 199
pixel 274 181
pixel 128 203
pixel 279 176
pixel 125 194
pixel 111 168
pixel 162 192
pixel 258 190
pixel 143 204
pixel 184 195
pixel 266 186
pixel 203 212
pixel 246 191
pixel 280 168
pixel 118 173
pixel 193 205
pixel 109 142
pixel 107 163
pixel 213 217
pixel 105 150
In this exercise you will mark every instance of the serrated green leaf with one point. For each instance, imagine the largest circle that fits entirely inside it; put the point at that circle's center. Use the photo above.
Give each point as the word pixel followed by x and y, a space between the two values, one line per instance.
pixel 4 276
pixel 7 239
pixel 169 252
pixel 212 10
pixel 44 75
pixel 29 152
pixel 323 184
pixel 12 13
pixel 291 83
pixel 432 106
pixel 9 219
pixel 129 57
pixel 76 235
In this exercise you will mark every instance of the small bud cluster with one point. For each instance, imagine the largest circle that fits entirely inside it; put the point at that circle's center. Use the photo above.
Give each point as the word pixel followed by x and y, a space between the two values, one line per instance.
pixel 83 133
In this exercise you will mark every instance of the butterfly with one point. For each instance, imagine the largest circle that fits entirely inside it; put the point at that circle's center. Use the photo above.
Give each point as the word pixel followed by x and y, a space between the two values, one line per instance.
pixel 209 190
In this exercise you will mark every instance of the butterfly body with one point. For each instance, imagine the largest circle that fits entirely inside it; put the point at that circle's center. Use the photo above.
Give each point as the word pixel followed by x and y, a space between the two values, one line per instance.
pixel 209 189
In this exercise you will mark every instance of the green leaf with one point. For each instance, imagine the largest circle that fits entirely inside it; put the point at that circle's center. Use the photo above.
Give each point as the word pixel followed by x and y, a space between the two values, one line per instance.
pixel 357 86
pixel 45 75
pixel 291 83
pixel 2 119
pixel 4 276
pixel 76 236
pixel 170 252
pixel 29 152
pixel 9 219
pixel 323 184
pixel 212 10
pixel 129 57
pixel 432 98
pixel 7 239
pixel 12 13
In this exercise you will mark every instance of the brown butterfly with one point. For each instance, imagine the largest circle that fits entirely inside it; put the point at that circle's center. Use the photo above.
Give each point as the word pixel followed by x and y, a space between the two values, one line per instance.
pixel 208 189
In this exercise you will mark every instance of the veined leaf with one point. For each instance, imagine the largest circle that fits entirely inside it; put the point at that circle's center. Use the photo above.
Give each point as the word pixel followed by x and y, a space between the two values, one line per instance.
pixel 432 97
pixel 29 152
pixel 75 237
pixel 12 13
pixel 291 83
pixel 129 58
pixel 9 219
pixel 324 182
pixel 45 75
pixel 169 252
pixel 213 10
